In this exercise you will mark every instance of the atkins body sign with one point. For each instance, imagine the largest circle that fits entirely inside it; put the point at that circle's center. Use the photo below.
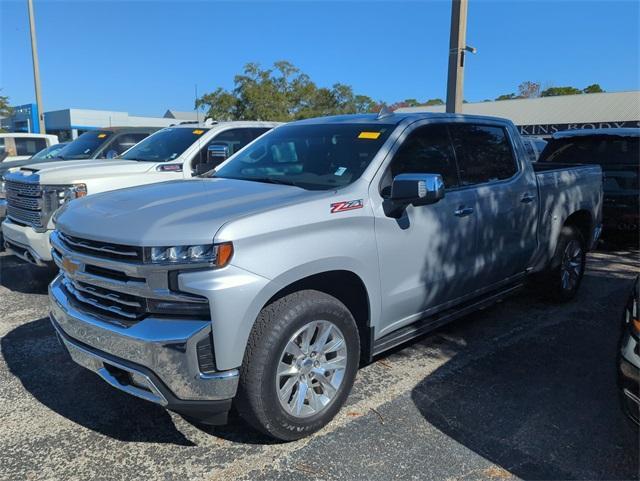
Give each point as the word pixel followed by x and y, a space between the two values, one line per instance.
pixel 549 129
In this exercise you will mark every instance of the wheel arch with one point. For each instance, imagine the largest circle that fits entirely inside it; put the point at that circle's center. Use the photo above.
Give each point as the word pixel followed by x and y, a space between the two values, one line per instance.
pixel 349 288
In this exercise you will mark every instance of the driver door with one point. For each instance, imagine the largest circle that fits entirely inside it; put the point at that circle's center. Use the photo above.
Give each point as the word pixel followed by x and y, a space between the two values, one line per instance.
pixel 426 255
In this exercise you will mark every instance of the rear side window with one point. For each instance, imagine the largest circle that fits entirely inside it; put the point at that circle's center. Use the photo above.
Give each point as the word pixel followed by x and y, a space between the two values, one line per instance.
pixel 602 150
pixel 2 146
pixel 427 150
pixel 483 152
pixel 233 139
pixel 29 146
pixel 126 141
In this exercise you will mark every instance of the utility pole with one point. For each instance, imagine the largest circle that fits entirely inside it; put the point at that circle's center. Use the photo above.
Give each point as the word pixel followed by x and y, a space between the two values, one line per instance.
pixel 457 46
pixel 36 67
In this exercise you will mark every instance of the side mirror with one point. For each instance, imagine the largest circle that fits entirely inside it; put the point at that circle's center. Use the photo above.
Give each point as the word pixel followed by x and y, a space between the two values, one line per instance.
pixel 111 154
pixel 217 153
pixel 417 189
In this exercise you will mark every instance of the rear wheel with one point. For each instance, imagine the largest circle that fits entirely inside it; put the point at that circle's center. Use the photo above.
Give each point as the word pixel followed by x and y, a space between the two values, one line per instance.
pixel 567 267
pixel 300 364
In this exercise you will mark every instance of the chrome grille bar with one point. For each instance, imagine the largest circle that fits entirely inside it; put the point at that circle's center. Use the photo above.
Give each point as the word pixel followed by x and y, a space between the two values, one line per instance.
pixel 101 247
pixel 95 303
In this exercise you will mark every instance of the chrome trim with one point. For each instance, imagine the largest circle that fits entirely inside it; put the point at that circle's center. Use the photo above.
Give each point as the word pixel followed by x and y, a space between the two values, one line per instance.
pixel 116 310
pixel 631 396
pixel 31 258
pixel 110 297
pixel 94 362
pixel 167 347
pixel 85 245
pixel 156 281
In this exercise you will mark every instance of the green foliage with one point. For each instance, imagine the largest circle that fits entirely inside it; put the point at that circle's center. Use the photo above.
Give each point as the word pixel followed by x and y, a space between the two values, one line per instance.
pixel 5 108
pixel 507 97
pixel 281 93
pixel 593 89
pixel 555 91
pixel 434 102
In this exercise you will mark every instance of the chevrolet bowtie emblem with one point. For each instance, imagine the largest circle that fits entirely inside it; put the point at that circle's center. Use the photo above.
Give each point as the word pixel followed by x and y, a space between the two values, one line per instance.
pixel 69 266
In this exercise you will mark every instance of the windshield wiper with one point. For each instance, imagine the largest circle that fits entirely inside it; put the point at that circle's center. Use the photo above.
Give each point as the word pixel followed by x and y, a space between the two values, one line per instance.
pixel 266 180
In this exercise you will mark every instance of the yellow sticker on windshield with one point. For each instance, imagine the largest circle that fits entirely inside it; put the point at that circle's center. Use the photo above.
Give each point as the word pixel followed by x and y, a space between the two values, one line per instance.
pixel 198 132
pixel 369 135
pixel 102 136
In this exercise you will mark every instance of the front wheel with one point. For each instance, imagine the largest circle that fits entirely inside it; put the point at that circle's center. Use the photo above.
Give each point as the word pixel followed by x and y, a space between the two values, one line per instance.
pixel 299 366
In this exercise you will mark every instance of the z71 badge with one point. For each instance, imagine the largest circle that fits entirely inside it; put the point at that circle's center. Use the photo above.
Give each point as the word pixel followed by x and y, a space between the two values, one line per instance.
pixel 346 205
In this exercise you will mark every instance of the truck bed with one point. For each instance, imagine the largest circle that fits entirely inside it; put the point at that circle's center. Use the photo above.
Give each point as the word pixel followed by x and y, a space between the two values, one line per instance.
pixel 564 189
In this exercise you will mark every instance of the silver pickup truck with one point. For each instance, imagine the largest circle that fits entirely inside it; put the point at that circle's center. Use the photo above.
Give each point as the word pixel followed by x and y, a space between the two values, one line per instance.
pixel 315 248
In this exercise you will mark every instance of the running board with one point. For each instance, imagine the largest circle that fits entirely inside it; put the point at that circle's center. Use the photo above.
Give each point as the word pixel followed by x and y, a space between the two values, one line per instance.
pixel 430 323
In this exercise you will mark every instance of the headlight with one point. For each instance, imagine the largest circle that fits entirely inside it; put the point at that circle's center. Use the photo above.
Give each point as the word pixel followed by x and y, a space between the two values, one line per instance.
pixel 217 254
pixel 71 192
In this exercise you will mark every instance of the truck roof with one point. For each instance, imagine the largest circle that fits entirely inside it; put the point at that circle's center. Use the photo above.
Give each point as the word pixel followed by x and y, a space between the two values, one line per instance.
pixel 125 129
pixel 393 118
pixel 614 132
pixel 210 125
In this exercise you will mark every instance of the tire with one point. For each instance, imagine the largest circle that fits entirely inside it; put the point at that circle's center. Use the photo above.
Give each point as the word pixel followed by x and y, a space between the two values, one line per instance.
pixel 566 270
pixel 277 341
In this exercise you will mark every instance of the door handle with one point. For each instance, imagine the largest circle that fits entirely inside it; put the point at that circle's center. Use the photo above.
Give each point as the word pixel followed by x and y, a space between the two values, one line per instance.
pixel 527 198
pixel 463 211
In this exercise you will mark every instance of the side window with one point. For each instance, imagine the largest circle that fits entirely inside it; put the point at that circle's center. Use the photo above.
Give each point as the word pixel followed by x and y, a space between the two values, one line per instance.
pixel 2 151
pixel 483 152
pixel 233 140
pixel 126 141
pixel 29 146
pixel 427 150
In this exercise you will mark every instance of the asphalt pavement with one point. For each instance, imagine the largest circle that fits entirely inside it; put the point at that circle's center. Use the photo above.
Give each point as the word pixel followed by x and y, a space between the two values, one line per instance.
pixel 525 389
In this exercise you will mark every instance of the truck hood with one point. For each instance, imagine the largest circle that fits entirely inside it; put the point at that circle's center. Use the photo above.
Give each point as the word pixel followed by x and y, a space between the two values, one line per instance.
pixel 178 212
pixel 70 171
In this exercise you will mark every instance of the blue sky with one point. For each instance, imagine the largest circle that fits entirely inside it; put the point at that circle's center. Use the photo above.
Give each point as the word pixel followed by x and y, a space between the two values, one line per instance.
pixel 144 57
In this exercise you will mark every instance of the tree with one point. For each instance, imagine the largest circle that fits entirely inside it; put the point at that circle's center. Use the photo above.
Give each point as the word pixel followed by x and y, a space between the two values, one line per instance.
pixel 281 93
pixel 593 89
pixel 507 97
pixel 5 108
pixel 556 91
pixel 529 90
pixel 434 102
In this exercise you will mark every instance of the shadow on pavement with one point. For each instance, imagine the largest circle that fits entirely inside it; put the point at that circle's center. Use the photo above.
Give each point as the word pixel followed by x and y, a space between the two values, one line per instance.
pixel 19 276
pixel 544 406
pixel 34 356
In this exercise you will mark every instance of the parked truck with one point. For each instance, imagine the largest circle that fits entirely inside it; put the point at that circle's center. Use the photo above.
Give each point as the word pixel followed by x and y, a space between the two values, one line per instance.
pixel 35 192
pixel 320 245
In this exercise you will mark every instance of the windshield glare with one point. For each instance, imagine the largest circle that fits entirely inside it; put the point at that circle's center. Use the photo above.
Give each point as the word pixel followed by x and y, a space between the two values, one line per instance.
pixel 49 152
pixel 84 146
pixel 166 145
pixel 313 157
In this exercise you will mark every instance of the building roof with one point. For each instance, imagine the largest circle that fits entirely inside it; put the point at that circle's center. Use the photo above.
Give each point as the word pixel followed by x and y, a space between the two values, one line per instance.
pixel 175 114
pixel 565 109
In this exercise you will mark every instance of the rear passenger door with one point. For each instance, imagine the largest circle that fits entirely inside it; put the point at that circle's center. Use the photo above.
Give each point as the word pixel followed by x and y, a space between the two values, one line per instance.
pixel 505 205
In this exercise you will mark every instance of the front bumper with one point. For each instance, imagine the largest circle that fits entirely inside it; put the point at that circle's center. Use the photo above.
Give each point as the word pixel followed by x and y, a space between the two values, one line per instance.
pixel 629 376
pixel 27 244
pixel 154 359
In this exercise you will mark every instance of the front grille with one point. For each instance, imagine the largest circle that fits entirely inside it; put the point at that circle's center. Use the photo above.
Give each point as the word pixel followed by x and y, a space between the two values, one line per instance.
pixel 102 249
pixel 106 301
pixel 112 282
pixel 24 203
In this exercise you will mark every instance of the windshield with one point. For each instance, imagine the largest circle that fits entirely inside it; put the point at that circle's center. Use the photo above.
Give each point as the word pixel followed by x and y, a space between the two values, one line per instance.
pixel 84 146
pixel 166 145
pixel 313 157
pixel 604 149
pixel 49 152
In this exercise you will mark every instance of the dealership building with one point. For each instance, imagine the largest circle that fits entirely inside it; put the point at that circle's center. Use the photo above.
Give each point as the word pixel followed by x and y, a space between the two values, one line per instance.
pixel 69 123
pixel 543 116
